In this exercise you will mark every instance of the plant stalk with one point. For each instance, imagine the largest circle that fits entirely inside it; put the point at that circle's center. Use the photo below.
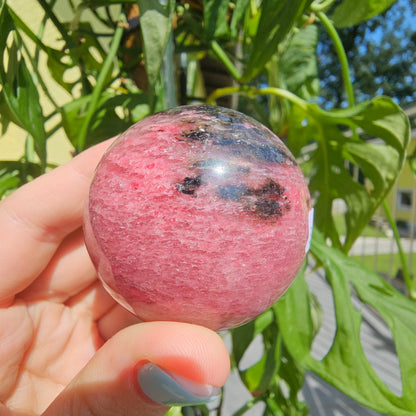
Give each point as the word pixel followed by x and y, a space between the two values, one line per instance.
pixel 252 91
pixel 406 274
pixel 342 56
pixel 215 46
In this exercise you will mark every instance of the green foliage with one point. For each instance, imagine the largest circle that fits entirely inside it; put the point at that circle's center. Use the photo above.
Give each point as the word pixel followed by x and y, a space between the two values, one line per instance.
pixel 19 95
pixel 345 365
pixel 380 161
pixel 350 12
pixel 276 20
pixel 215 18
pixel 297 64
pixel 268 54
pixel 156 24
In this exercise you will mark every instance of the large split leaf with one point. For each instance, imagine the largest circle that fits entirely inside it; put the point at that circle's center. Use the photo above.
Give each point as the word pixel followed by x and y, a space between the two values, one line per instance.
pixel 370 139
pixel 276 369
pixel 258 376
pixel 345 365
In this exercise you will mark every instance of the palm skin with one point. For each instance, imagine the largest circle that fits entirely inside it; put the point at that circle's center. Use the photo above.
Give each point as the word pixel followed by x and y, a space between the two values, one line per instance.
pixel 51 324
pixel 51 333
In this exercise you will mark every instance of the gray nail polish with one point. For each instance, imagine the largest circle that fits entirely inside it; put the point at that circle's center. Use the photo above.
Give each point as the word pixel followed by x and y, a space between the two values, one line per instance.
pixel 166 387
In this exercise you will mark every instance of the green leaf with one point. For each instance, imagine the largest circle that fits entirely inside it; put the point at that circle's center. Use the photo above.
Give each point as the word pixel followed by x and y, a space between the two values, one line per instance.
pixel 215 18
pixel 277 19
pixel 106 122
pixel 244 335
pixel 293 68
pixel 239 11
pixel 19 93
pixel 15 173
pixel 294 376
pixel 57 69
pixel 294 315
pixel 93 4
pixel 19 24
pixel 55 57
pixel 6 116
pixel 259 376
pixel 379 156
pixel 156 25
pixel 346 366
pixel 353 12
pixel 8 182
pixel 59 62
pixel 298 68
pixel 174 411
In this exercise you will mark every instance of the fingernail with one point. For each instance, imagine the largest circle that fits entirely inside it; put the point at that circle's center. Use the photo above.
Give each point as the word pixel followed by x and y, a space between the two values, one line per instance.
pixel 166 387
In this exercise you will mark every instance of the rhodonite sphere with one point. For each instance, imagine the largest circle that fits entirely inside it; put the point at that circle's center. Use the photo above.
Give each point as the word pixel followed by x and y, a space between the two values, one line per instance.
pixel 198 214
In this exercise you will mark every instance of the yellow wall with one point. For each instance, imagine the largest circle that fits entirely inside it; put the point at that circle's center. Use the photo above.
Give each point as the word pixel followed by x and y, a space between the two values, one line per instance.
pixel 13 142
pixel 406 182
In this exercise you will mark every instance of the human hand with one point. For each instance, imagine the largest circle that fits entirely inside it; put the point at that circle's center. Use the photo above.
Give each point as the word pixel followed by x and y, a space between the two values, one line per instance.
pixel 66 348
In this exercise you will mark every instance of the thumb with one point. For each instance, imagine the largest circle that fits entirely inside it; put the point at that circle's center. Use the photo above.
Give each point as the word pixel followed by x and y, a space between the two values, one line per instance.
pixel 145 367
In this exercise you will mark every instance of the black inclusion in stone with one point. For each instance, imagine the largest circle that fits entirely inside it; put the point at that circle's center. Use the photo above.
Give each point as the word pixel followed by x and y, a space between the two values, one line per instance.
pixel 267 208
pixel 269 188
pixel 196 136
pixel 266 202
pixel 189 185
pixel 271 201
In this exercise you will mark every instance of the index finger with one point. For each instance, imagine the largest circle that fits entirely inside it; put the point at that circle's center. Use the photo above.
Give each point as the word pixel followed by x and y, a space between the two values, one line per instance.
pixel 36 217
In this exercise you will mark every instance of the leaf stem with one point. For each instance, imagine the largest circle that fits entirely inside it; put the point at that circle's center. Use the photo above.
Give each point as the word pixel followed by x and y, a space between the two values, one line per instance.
pixel 322 5
pixel 249 404
pixel 252 91
pixel 99 86
pixel 282 93
pixel 223 57
pixel 405 269
pixel 342 56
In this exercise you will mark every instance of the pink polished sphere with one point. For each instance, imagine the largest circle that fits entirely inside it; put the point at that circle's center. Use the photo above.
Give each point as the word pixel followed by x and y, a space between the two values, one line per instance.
pixel 198 214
